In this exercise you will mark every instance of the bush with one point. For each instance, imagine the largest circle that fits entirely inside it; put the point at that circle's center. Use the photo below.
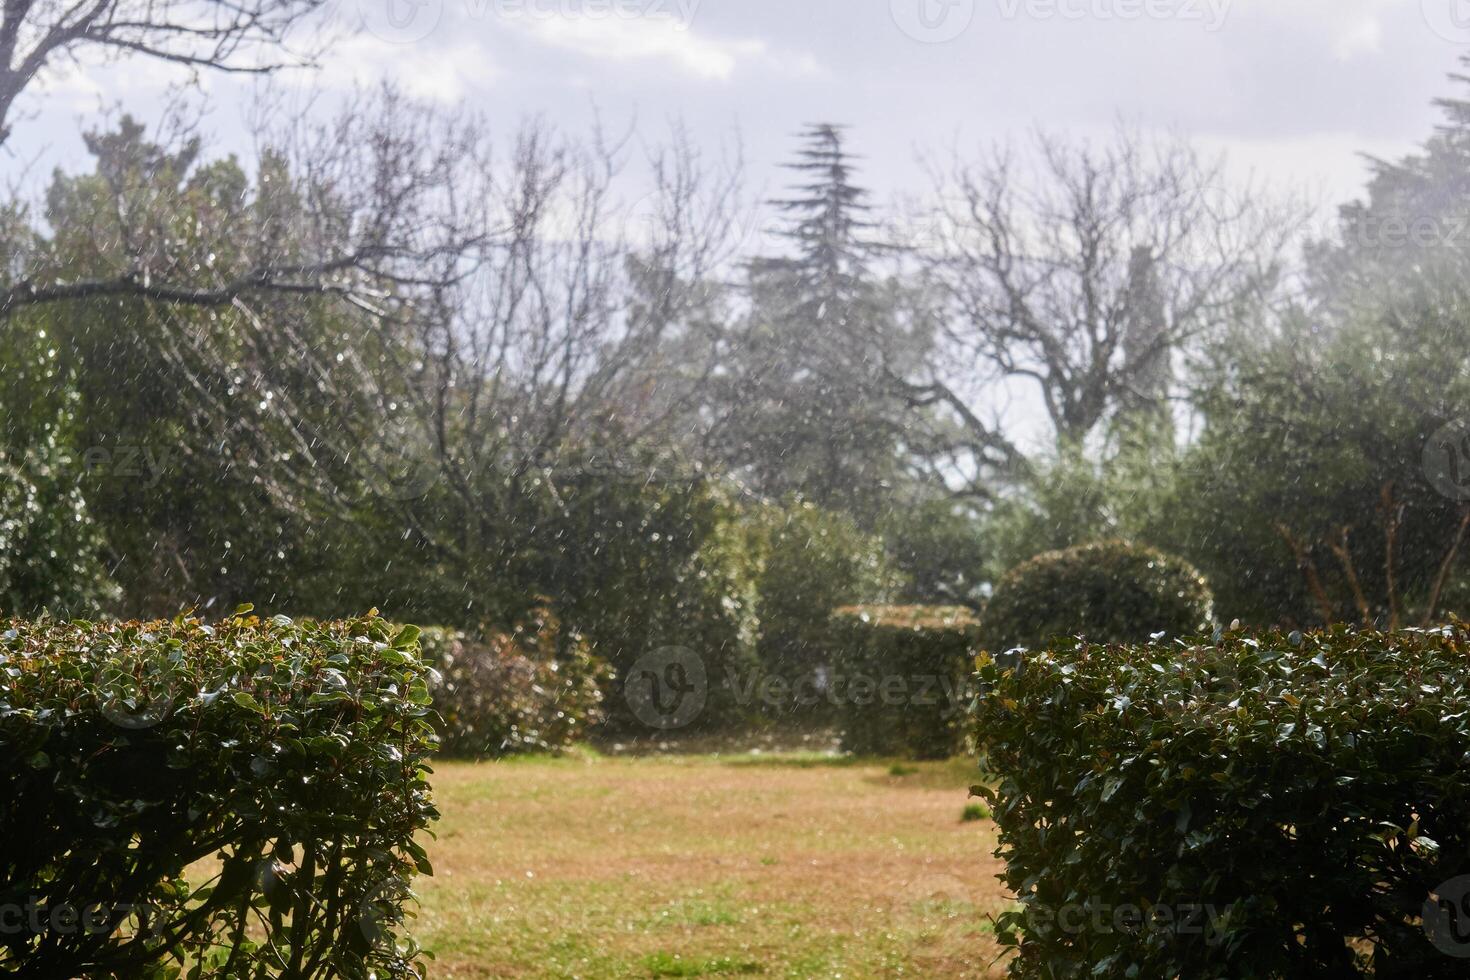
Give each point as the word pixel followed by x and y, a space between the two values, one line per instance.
pixel 289 758
pixel 50 547
pixel 533 690
pixel 1111 592
pixel 900 678
pixel 814 561
pixel 1272 806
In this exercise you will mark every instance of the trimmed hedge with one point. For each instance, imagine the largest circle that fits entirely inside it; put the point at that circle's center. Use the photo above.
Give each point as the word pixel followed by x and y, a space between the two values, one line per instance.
pixel 1110 592
pixel 291 758
pixel 901 678
pixel 1268 806
pixel 533 690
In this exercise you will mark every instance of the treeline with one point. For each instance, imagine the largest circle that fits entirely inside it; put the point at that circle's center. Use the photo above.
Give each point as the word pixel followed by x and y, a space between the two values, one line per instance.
pixel 392 362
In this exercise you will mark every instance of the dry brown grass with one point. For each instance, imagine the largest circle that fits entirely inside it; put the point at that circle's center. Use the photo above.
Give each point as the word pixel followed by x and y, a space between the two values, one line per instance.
pixel 790 866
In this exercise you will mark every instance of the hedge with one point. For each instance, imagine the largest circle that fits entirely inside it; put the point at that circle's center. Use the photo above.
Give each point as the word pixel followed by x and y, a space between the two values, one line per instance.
pixel 1109 592
pixel 1253 806
pixel 900 678
pixel 288 758
pixel 535 689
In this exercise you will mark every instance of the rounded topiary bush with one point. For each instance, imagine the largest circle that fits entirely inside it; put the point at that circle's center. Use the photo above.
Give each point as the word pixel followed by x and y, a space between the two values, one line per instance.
pixel 1111 592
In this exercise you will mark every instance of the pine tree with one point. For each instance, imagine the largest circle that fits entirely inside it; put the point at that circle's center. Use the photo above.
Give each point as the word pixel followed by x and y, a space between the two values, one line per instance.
pixel 811 406
pixel 828 222
pixel 1410 236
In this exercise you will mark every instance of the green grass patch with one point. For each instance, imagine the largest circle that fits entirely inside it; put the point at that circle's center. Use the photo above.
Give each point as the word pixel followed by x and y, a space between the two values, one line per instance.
pixel 975 812
pixel 675 965
pixel 793 867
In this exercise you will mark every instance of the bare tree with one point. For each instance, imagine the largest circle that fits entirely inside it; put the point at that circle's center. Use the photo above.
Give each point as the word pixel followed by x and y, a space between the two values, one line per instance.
pixel 400 319
pixel 251 36
pixel 1087 275
pixel 528 307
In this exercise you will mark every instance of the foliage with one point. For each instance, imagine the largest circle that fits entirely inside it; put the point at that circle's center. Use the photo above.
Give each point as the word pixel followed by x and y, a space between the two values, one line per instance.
pixel 202 495
pixel 1407 233
pixel 1072 498
pixel 1310 496
pixel 290 758
pixel 638 563
pixel 1257 806
pixel 900 676
pixel 1111 592
pixel 814 562
pixel 807 394
pixel 50 546
pixel 940 550
pixel 536 689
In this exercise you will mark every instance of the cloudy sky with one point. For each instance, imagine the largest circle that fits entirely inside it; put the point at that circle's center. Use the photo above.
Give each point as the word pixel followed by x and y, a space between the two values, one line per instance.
pixel 1293 90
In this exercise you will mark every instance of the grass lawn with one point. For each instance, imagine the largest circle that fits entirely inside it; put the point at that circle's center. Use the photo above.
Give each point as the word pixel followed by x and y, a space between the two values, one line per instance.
pixel 695 866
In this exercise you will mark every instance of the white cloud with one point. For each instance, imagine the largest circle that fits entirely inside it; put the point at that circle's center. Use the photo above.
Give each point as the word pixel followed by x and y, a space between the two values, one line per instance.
pixel 94 80
pixel 436 73
pixel 1358 35
pixel 1351 27
pixel 1324 169
pixel 657 36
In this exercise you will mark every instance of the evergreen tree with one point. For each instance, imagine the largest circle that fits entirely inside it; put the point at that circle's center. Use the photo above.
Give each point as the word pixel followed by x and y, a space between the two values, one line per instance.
pixel 1145 419
pixel 827 219
pixel 809 401
pixel 1410 235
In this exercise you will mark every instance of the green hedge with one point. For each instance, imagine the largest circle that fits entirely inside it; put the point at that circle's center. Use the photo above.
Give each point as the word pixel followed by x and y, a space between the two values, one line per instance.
pixel 288 759
pixel 536 689
pixel 900 678
pixel 1269 806
pixel 1110 592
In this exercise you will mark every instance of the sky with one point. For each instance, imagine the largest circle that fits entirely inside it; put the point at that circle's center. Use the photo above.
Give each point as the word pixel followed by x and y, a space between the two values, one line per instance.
pixel 1293 91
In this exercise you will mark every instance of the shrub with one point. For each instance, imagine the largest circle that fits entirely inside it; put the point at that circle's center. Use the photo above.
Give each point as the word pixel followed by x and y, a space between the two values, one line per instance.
pixel 639 563
pixel 814 561
pixel 288 759
pixel 1272 806
pixel 50 547
pixel 532 690
pixel 900 678
pixel 1111 592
